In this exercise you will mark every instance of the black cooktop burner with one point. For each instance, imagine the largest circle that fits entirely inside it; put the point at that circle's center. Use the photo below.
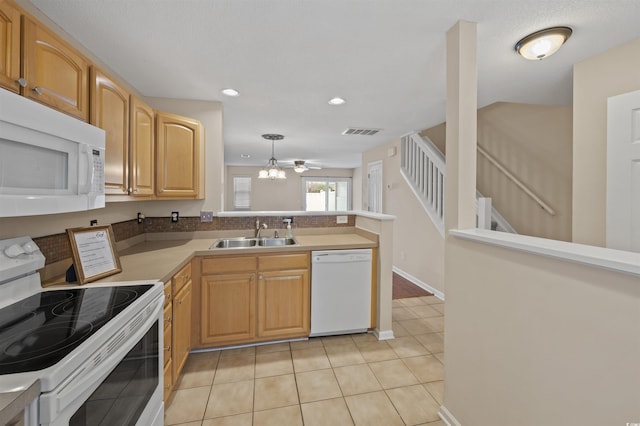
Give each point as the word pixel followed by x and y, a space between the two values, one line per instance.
pixel 40 330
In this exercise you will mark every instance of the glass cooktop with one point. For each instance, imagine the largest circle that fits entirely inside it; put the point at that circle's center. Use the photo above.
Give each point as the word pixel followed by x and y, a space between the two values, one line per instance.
pixel 39 331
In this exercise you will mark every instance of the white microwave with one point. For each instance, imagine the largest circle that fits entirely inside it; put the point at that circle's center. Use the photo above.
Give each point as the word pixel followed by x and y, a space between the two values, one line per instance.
pixel 49 162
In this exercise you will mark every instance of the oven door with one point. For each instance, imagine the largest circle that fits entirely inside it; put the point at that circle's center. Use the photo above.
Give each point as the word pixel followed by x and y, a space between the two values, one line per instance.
pixel 123 388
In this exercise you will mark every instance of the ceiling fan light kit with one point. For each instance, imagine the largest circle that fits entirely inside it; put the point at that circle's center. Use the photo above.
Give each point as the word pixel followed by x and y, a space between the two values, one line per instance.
pixel 272 170
pixel 543 43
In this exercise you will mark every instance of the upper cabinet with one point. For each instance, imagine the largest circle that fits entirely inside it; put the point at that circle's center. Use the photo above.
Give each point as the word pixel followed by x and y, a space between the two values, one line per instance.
pixel 179 154
pixel 110 112
pixel 9 46
pixel 55 73
pixel 142 149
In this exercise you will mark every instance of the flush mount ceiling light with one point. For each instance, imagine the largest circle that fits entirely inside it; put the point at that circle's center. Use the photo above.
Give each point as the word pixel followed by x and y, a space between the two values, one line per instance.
pixel 299 166
pixel 272 170
pixel 543 43
pixel 230 92
pixel 337 101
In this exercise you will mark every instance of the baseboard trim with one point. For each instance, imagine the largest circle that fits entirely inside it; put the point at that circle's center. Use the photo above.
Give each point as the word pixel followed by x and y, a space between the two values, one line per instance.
pixel 384 334
pixel 437 293
pixel 447 417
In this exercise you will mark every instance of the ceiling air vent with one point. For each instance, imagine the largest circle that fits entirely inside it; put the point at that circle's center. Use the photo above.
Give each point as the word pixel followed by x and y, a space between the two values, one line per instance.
pixel 362 132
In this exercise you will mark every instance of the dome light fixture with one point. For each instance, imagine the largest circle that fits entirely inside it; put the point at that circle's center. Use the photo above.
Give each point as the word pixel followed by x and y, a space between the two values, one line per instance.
pixel 272 170
pixel 230 92
pixel 337 101
pixel 543 43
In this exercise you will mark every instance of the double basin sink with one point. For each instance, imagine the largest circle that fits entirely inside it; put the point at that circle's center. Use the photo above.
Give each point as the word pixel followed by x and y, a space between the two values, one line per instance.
pixel 253 242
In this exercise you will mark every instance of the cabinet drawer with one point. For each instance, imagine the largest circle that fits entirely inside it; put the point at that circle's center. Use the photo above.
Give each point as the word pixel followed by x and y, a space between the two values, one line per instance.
pixel 168 381
pixel 168 294
pixel 280 262
pixel 181 278
pixel 223 264
pixel 167 342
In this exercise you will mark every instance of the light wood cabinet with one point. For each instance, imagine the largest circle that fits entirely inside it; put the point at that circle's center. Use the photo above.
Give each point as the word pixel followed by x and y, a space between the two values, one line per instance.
pixel 110 112
pixel 228 308
pixel 283 304
pixel 56 74
pixel 9 46
pixel 179 172
pixel 181 328
pixel 252 298
pixel 177 326
pixel 142 149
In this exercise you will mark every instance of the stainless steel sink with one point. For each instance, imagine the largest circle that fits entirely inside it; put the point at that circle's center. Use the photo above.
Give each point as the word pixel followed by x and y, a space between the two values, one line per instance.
pixel 252 242
pixel 234 243
pixel 277 241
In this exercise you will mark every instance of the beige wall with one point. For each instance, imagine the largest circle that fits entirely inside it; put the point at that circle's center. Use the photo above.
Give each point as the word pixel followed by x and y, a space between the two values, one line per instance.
pixel 594 80
pixel 539 155
pixel 418 248
pixel 532 340
pixel 278 195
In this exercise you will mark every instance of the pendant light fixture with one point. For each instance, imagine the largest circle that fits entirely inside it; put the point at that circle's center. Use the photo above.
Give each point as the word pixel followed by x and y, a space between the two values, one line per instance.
pixel 543 43
pixel 272 170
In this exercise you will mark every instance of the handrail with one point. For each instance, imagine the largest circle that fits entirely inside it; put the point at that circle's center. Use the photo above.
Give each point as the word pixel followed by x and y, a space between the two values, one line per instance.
pixel 516 181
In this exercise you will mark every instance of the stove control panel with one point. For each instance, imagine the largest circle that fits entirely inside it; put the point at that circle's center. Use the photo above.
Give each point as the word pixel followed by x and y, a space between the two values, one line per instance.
pixel 18 257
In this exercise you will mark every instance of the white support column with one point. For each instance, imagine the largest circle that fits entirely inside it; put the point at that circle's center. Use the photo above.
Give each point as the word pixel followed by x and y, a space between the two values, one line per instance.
pixel 461 126
pixel 484 213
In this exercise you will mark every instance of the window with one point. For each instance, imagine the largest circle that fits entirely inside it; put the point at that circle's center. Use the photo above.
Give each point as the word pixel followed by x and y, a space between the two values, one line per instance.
pixel 326 194
pixel 241 192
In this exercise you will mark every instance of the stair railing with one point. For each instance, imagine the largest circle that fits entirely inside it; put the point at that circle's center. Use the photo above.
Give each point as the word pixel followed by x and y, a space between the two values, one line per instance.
pixel 423 167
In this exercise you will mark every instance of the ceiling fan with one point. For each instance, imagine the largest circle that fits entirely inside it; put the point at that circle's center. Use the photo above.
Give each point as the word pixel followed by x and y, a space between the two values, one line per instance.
pixel 300 166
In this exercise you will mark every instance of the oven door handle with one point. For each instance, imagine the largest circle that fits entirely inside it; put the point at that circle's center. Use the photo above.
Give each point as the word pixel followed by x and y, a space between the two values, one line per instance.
pixel 66 397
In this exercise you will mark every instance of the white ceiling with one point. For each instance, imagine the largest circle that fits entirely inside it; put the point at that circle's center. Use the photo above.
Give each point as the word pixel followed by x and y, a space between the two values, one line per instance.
pixel 289 57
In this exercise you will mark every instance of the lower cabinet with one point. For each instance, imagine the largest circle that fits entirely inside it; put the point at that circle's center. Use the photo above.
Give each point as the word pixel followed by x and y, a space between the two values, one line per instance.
pixel 177 326
pixel 253 298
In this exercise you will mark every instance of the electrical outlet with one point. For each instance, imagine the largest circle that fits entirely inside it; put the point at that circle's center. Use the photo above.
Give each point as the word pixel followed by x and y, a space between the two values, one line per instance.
pixel 342 219
pixel 206 216
pixel 175 216
pixel 287 218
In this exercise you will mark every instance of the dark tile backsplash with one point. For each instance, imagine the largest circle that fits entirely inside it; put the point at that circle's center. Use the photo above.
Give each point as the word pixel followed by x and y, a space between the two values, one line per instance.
pixel 56 247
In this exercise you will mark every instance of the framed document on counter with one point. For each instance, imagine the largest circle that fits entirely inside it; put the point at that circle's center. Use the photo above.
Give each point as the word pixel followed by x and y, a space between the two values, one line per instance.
pixel 94 254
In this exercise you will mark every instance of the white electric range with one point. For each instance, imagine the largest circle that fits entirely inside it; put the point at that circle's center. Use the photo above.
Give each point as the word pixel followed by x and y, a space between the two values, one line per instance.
pixel 96 348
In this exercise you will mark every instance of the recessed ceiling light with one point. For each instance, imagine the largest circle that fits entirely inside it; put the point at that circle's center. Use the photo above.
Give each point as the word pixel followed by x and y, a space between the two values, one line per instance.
pixel 230 92
pixel 543 43
pixel 336 101
pixel 245 155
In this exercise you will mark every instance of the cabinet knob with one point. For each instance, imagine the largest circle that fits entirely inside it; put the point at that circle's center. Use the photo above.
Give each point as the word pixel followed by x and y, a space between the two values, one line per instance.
pixel 260 277
pixel 38 90
pixel 21 82
pixel 168 319
pixel 135 190
pixel 162 190
pixel 167 349
pixel 125 190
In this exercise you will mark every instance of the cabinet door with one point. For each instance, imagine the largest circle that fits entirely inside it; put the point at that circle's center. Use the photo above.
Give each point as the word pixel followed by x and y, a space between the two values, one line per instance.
pixel 283 304
pixel 56 74
pixel 9 46
pixel 181 329
pixel 178 156
pixel 228 308
pixel 142 148
pixel 110 112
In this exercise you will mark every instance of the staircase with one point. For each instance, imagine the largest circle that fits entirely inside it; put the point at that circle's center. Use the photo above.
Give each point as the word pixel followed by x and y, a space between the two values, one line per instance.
pixel 422 165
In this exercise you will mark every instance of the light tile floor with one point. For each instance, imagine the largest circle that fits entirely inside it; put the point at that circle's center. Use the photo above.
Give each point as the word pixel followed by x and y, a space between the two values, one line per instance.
pixel 338 380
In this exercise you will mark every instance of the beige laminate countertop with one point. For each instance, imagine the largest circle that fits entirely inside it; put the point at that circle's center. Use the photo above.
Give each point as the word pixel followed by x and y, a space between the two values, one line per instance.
pixel 160 260
pixel 13 403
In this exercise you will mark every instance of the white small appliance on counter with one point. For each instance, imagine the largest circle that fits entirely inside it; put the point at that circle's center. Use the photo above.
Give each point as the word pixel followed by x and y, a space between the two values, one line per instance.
pixel 96 349
pixel 50 162
pixel 340 291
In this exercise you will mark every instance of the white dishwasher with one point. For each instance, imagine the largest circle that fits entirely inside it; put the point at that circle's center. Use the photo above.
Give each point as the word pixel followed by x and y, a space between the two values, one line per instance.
pixel 340 291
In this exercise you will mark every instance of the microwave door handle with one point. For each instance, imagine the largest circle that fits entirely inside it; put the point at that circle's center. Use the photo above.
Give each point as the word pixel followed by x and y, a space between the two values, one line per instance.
pixel 86 188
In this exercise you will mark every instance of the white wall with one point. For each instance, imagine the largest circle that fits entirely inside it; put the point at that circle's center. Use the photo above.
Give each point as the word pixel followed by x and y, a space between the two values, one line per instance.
pixel 531 340
pixel 418 248
pixel 278 195
pixel 594 80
